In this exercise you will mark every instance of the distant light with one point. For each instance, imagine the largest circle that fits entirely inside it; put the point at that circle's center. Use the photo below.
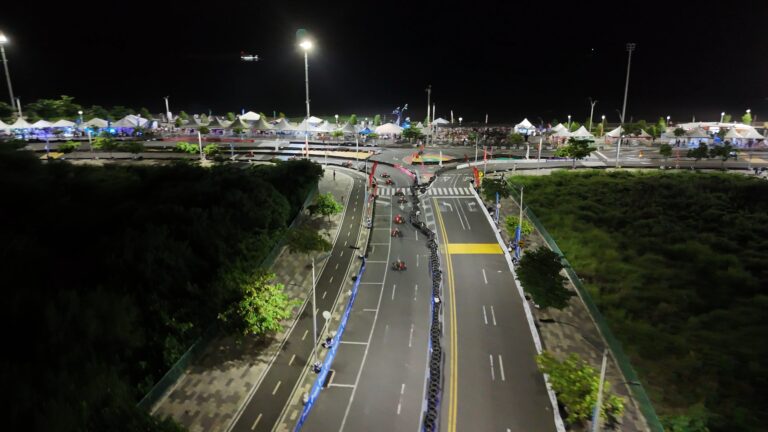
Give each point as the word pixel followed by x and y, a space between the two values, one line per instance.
pixel 749 111
pixel 3 39
pixel 306 44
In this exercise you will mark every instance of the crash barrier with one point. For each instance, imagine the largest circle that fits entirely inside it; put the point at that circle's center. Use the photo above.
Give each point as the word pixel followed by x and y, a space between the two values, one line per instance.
pixel 326 366
pixel 638 392
pixel 435 378
pixel 168 380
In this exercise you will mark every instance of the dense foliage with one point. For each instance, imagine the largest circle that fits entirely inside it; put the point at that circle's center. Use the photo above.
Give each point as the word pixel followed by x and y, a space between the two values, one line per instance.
pixel 110 273
pixel 540 276
pixel 678 263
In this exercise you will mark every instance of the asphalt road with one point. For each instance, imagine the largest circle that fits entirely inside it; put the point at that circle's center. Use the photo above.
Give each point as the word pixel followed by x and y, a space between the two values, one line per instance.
pixel 380 369
pixel 264 407
pixel 491 382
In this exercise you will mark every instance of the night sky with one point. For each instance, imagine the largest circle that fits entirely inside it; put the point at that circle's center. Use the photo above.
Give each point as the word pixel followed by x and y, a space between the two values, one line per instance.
pixel 538 59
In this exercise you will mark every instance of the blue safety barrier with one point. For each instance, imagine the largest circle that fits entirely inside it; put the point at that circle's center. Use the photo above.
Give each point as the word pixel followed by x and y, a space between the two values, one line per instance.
pixel 318 385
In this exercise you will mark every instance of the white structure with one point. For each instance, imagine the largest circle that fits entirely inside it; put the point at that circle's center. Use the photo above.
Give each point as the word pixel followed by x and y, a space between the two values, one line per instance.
pixel 314 121
pixel 96 122
pixel 441 121
pixel 525 127
pixel 250 116
pixel 390 129
pixel 63 124
pixel 41 124
pixel 581 132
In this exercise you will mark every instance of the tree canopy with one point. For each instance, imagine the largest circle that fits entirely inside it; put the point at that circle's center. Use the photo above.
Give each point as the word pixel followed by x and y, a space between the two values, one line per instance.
pixel 539 273
pixel 305 240
pixel 577 148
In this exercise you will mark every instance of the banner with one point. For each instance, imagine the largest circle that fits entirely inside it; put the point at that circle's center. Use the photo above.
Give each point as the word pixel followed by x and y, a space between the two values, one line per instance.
pixel 477 176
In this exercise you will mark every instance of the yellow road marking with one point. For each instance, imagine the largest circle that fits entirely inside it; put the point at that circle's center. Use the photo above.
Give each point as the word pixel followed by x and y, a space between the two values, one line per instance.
pixel 474 248
pixel 454 340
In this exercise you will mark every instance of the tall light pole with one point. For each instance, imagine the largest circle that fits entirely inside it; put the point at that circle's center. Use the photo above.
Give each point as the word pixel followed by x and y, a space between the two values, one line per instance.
pixel 722 115
pixel 630 48
pixel 80 113
pixel 460 119
pixel 668 117
pixel 569 122
pixel 167 109
pixel 602 121
pixel 306 45
pixel 3 41
pixel 592 103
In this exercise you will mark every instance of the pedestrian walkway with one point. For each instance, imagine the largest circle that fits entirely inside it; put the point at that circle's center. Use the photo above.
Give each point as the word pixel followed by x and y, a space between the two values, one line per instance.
pixel 572 331
pixel 432 191
pixel 220 381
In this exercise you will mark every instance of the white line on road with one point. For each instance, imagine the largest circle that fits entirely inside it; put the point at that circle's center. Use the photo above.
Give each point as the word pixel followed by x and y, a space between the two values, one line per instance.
pixel 276 387
pixel 370 310
pixel 305 334
pixel 402 386
pixel 485 278
pixel 330 280
pixel 341 385
pixel 324 293
pixel 417 260
pixel 501 368
pixel 337 266
pixel 290 362
pixel 354 343
pixel 394 287
pixel 493 374
pixel 415 291
pixel 485 316
pixel 417 235
pixel 258 419
pixel 493 315
pixel 342 253
pixel 399 406
pixel 410 341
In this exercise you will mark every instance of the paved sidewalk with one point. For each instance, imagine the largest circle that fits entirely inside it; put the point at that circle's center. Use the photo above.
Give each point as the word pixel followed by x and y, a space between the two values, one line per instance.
pixel 207 396
pixel 291 413
pixel 572 330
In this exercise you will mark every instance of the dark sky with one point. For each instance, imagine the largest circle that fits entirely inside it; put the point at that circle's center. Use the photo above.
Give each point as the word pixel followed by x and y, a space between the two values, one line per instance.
pixel 509 59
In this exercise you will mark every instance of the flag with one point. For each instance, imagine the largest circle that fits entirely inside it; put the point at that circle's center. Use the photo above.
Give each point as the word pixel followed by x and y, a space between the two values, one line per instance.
pixel 373 170
pixel 477 176
pixel 485 154
pixel 517 241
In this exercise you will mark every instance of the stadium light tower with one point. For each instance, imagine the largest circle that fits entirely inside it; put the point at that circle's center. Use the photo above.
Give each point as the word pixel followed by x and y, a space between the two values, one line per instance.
pixel 3 41
pixel 306 45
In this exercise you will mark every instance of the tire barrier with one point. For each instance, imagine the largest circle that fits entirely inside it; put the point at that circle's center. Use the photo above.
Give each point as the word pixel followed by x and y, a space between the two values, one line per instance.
pixel 435 378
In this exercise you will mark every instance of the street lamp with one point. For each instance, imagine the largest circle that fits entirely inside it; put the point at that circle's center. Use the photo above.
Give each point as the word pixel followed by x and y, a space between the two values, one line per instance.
pixel 3 41
pixel 603 123
pixel 569 122
pixel 337 119
pixel 722 114
pixel 668 117
pixel 630 48
pixel 80 113
pixel 460 120
pixel 306 45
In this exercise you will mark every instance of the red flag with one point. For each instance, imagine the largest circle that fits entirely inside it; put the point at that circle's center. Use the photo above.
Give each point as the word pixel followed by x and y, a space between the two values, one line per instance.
pixel 477 176
pixel 485 154
pixel 373 170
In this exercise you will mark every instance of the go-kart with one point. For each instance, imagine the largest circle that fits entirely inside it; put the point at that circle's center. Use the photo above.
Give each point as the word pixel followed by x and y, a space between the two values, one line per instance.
pixel 388 181
pixel 399 266
pixel 399 219
pixel 384 175
pixel 399 193
pixel 396 233
pixel 402 199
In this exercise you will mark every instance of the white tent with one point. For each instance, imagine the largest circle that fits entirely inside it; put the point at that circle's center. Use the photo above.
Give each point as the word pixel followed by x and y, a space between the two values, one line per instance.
pixel 315 121
pixel 40 124
pixel 733 134
pixel 644 134
pixel 325 127
pixel 348 129
pixel 697 133
pixel 561 134
pixel 4 127
pixel 282 124
pixel 262 125
pixel 440 121
pixel 525 127
pixel 20 123
pixel 250 116
pixel 131 121
pixel 616 133
pixel 389 129
pixel 99 123
pixel 560 128
pixel 581 132
pixel 751 133
pixel 63 124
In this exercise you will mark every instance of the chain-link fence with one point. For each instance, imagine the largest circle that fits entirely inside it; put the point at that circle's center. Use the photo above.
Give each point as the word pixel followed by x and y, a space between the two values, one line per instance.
pixel 622 360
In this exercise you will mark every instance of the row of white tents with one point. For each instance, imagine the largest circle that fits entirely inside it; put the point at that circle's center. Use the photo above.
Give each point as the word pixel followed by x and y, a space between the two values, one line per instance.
pixel 129 121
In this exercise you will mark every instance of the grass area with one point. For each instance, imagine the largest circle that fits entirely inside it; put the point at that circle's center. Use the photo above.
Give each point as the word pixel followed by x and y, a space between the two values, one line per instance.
pixel 678 264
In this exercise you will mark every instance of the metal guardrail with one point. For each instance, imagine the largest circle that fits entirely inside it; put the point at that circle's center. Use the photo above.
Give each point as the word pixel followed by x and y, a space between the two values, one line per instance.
pixel 638 392
pixel 177 370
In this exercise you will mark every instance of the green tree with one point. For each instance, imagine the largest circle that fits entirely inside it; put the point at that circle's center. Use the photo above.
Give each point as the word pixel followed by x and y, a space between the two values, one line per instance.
pixel 185 147
pixel 723 152
pixel 661 125
pixel 53 109
pixel 281 115
pixel 134 147
pixel 183 115
pixel 576 385
pixel 337 134
pixel 352 119
pixel 373 135
pixel 104 142
pixel 261 308
pixel 412 133
pixel 665 151
pixel 577 148
pixel 700 152
pixel 237 130
pixel 511 222
pixel 678 132
pixel 6 112
pixel 516 139
pixel 600 131
pixel 96 111
pixel 492 185
pixel 727 118
pixel 306 240
pixel 747 118
pixel 575 126
pixel 144 113
pixel 211 150
pixel 204 130
pixel 178 122
pixel 204 119
pixel 540 276
pixel 69 146
pixel 326 205
pixel 377 120
pixel 231 116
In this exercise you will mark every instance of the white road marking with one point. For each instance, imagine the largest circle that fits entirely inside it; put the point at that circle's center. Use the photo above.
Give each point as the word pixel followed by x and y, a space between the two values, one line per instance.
pixel 415 291
pixel 290 362
pixel 370 310
pixel 485 278
pixel 417 235
pixel 354 343
pixel 342 253
pixel 276 387
pixel 341 385
pixel 330 280
pixel 337 266
pixel 394 287
pixel 493 315
pixel 485 316
pixel 493 374
pixel 501 368
pixel 324 293
pixel 417 260
pixel 305 334
pixel 258 419
pixel 410 342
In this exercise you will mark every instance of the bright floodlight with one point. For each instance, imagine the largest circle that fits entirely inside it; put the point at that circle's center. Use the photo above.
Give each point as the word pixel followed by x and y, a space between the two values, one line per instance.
pixel 306 45
pixel 3 39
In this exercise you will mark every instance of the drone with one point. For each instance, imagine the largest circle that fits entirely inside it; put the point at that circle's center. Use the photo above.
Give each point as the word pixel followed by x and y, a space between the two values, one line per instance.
pixel 248 57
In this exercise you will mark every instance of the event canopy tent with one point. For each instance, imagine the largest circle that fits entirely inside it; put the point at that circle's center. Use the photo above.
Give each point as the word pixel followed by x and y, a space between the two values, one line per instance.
pixel 440 121
pixel 560 128
pixel 63 124
pixel 4 126
pixel 239 123
pixel 347 128
pixel 282 124
pixel 250 116
pixel 315 121
pixel 524 127
pixel 751 133
pixel 581 132
pixel 263 125
pixel 616 133
pixel 365 131
pixel 697 133
pixel 324 127
pixel 40 124
pixel 20 123
pixel 217 123
pixel 97 122
pixel 389 129
pixel 644 134
pixel 733 134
